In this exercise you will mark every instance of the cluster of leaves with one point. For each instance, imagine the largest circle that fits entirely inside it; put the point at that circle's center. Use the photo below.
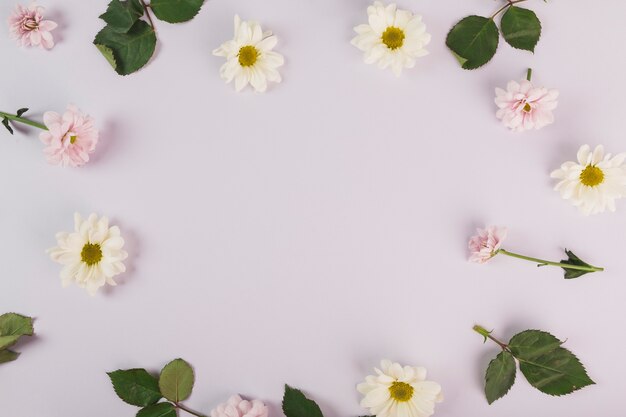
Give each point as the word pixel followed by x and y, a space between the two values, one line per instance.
pixel 5 120
pixel 127 41
pixel 547 366
pixel 140 388
pixel 12 327
pixel 474 40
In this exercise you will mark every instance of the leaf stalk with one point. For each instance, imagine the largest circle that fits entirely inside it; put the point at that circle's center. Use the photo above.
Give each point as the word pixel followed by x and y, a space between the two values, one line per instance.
pixel 543 262
pixel 23 120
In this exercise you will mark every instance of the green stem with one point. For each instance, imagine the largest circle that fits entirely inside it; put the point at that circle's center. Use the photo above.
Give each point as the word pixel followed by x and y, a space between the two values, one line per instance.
pixel 508 4
pixel 542 262
pixel 487 335
pixel 182 407
pixel 19 119
pixel 529 74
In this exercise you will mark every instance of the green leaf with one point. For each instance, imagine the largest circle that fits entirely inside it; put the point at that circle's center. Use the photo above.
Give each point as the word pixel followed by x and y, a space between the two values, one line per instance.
pixel 296 404
pixel 7 341
pixel 176 11
pixel 131 50
pixel 6 124
pixel 20 112
pixel 530 344
pixel 521 28
pixel 8 356
pixel 557 372
pixel 176 380
pixel 474 39
pixel 108 54
pixel 15 324
pixel 574 260
pixel 122 15
pixel 500 376
pixel 158 410
pixel 135 386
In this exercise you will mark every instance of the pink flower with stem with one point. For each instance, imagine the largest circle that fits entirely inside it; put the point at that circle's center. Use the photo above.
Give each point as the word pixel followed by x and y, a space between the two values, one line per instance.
pixel 69 137
pixel 487 243
pixel 29 28
pixel 522 106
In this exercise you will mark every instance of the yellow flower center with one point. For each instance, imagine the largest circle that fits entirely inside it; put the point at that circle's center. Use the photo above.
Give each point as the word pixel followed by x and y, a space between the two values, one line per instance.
pixel 73 139
pixel 91 254
pixel 401 391
pixel 527 108
pixel 393 37
pixel 30 24
pixel 592 176
pixel 248 55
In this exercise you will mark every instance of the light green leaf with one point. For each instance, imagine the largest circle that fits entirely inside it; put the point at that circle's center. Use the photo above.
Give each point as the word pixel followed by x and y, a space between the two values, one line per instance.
pixel 176 380
pixel 475 39
pixel 574 260
pixel 500 376
pixel 158 410
pixel 131 50
pixel 135 386
pixel 176 11
pixel 122 15
pixel 108 54
pixel 296 404
pixel 8 341
pixel 530 344
pixel 521 28
pixel 557 372
pixel 8 356
pixel 12 324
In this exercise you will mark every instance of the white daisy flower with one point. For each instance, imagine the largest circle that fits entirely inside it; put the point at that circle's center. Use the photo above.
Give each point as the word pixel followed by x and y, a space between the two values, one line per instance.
pixel 594 182
pixel 92 255
pixel 393 38
pixel 398 391
pixel 249 57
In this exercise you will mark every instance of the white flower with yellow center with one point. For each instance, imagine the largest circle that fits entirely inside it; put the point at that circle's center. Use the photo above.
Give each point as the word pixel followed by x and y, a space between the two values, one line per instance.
pixel 393 38
pixel 397 391
pixel 594 182
pixel 249 57
pixel 92 255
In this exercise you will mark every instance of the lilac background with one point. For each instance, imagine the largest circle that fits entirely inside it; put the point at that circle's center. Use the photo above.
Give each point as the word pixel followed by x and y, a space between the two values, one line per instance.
pixel 302 235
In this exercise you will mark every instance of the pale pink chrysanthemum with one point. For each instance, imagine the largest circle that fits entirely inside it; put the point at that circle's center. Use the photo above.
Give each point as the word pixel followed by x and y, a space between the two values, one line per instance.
pixel 28 27
pixel 524 107
pixel 486 243
pixel 238 407
pixel 70 138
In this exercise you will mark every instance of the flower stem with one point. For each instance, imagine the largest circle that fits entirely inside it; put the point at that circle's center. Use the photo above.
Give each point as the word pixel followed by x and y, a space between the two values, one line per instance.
pixel 542 262
pixel 19 119
pixel 182 407
pixel 529 74
pixel 487 335
pixel 508 4
pixel 146 7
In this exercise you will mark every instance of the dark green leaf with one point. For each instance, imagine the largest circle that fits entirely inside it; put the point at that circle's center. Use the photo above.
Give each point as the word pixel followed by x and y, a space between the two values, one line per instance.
pixel 122 15
pixel 8 341
pixel 176 11
pixel 135 386
pixel 574 260
pixel 6 124
pixel 530 344
pixel 176 380
pixel 521 28
pixel 296 404
pixel 130 51
pixel 15 324
pixel 557 372
pixel 20 112
pixel 8 356
pixel 475 40
pixel 158 410
pixel 500 376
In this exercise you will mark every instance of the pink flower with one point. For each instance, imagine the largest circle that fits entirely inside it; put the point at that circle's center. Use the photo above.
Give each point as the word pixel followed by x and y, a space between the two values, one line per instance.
pixel 486 243
pixel 70 138
pixel 27 26
pixel 238 407
pixel 524 107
